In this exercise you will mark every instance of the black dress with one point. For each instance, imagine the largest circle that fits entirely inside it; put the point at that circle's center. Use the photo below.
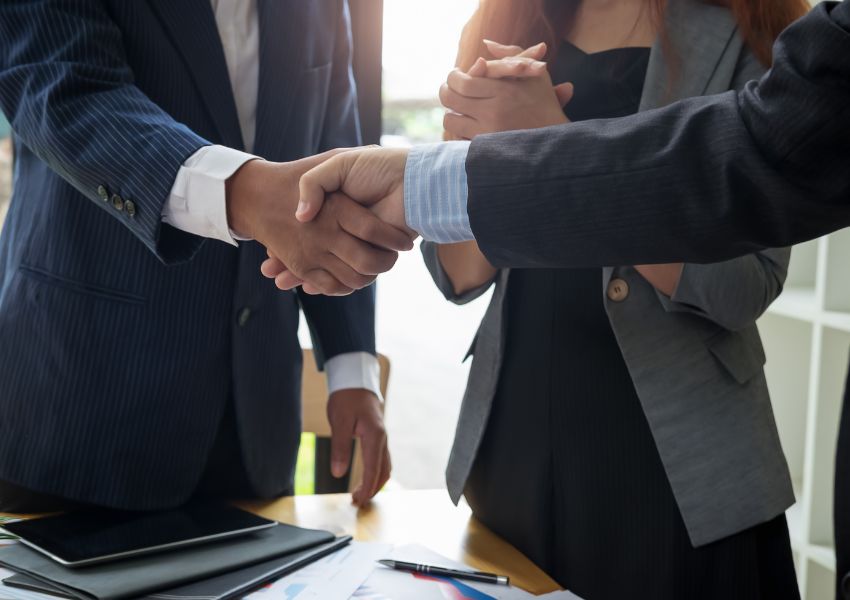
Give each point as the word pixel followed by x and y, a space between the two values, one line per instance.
pixel 568 471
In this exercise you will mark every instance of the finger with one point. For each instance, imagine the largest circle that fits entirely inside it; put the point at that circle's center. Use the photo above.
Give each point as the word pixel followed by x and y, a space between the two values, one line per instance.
pixel 536 52
pixel 272 267
pixel 362 223
pixel 478 68
pixel 363 259
pixel 322 282
pixel 366 226
pixel 473 87
pixel 457 103
pixel 317 182
pixel 515 67
pixel 360 496
pixel 564 93
pixel 287 281
pixel 342 424
pixel 461 126
pixel 386 470
pixel 372 445
pixel 350 278
pixel 497 50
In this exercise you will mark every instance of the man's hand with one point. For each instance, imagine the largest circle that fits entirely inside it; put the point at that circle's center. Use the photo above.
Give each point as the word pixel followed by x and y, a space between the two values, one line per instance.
pixel 356 413
pixel 330 251
pixel 373 177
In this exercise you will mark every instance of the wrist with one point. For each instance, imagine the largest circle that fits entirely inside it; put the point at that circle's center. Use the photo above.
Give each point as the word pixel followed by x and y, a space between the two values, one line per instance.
pixel 242 191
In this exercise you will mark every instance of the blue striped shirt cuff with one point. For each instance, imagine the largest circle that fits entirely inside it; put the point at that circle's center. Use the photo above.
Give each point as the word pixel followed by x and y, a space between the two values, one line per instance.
pixel 435 192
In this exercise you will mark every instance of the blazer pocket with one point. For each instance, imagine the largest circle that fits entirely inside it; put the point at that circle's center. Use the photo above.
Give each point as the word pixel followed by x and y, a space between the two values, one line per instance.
pixel 44 276
pixel 741 357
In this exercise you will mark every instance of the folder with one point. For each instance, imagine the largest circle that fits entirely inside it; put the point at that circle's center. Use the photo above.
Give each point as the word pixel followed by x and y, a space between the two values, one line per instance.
pixel 179 569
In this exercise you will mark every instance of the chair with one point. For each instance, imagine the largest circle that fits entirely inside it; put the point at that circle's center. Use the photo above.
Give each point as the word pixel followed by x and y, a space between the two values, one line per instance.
pixel 314 399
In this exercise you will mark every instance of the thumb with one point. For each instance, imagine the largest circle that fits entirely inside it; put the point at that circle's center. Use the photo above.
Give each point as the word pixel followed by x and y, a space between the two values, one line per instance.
pixel 564 92
pixel 325 177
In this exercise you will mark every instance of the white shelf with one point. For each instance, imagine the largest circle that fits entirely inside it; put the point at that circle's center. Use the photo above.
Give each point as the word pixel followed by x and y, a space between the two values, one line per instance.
pixel 806 333
pixel 796 303
pixel 823 555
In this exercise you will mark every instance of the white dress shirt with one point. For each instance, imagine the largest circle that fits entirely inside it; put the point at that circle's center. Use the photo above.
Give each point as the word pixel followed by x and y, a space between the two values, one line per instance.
pixel 197 200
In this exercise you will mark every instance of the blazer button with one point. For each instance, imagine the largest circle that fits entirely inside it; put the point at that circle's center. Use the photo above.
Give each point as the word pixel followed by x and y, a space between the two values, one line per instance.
pixel 130 207
pixel 103 193
pixel 117 202
pixel 243 317
pixel 618 290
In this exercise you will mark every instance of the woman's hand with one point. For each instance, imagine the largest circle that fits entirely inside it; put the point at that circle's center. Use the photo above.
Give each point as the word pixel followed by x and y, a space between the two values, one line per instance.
pixel 514 91
pixel 664 278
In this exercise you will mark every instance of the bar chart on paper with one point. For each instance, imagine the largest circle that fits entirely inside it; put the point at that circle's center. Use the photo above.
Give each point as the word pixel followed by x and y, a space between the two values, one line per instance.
pixel 337 576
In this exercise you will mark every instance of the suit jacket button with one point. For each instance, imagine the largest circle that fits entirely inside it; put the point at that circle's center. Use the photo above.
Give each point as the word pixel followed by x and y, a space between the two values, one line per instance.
pixel 243 317
pixel 103 193
pixel 130 207
pixel 117 202
pixel 618 290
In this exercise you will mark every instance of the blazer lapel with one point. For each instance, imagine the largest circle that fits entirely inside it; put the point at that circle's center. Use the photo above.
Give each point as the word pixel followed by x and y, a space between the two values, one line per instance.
pixel 281 45
pixel 192 28
pixel 700 35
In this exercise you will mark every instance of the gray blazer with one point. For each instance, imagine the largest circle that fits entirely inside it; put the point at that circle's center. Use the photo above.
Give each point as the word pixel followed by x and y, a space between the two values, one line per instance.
pixel 696 359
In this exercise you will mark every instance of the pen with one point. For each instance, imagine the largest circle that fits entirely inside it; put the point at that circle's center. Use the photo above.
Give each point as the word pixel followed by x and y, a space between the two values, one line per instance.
pixel 442 572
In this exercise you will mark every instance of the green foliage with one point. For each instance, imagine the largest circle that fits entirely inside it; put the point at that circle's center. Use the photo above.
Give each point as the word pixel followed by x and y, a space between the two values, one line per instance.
pixel 418 122
pixel 305 473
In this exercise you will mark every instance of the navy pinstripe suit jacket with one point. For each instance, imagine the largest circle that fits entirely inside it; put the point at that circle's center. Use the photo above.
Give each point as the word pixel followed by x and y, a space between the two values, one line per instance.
pixel 120 337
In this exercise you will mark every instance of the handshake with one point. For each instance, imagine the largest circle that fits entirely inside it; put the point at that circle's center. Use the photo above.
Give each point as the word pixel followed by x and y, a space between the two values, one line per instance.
pixel 349 223
pixel 316 234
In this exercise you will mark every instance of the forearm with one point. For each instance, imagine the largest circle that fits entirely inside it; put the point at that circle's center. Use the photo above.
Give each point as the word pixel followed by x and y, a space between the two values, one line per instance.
pixel 715 177
pixel 340 325
pixel 466 267
pixel 69 95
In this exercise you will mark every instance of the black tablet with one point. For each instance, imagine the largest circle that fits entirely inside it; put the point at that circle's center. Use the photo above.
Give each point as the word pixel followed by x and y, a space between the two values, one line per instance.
pixel 91 537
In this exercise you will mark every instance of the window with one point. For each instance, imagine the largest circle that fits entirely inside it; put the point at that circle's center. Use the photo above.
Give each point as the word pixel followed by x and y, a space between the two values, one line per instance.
pixel 424 335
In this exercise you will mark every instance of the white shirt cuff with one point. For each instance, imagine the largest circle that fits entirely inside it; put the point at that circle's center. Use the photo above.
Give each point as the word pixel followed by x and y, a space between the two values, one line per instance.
pixel 354 370
pixel 197 203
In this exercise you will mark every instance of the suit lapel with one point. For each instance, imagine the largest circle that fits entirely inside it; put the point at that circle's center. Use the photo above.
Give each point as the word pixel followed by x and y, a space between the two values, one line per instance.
pixel 281 45
pixel 700 34
pixel 192 28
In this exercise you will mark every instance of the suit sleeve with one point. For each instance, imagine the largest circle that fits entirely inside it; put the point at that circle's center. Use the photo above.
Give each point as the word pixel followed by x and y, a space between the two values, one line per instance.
pixel 346 324
pixel 69 94
pixel 736 292
pixel 703 180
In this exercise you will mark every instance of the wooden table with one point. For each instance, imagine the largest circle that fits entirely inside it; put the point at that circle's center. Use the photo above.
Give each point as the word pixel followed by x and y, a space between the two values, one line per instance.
pixel 425 517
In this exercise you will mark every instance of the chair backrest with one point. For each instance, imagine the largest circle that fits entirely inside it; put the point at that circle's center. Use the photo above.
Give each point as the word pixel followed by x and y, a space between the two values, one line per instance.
pixel 314 400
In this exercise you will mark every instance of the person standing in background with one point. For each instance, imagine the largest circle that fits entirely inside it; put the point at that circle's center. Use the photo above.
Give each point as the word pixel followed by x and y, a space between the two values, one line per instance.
pixel 143 359
pixel 586 382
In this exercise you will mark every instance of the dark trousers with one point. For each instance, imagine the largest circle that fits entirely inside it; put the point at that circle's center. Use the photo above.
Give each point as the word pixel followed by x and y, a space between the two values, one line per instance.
pixel 841 499
pixel 224 477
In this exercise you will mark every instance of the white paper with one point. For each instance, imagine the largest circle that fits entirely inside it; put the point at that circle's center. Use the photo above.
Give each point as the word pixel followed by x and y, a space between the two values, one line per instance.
pixel 335 577
pixel 388 584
